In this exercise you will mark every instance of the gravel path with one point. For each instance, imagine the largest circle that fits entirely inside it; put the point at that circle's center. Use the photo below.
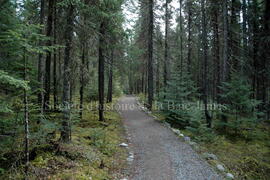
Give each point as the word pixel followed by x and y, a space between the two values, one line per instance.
pixel 158 153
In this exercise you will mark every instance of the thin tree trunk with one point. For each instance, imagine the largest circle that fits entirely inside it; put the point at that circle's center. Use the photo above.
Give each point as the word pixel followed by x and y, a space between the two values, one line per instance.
pixel 225 42
pixel 157 78
pixel 82 81
pixel 225 50
pixel 48 56
pixel 255 42
pixel 267 54
pixel 216 75
pixel 263 79
pixel 234 37
pixel 101 71
pixel 205 77
pixel 189 37
pixel 26 121
pixel 150 55
pixel 245 44
pixel 110 83
pixel 142 81
pixel 181 36
pixel 66 127
pixel 60 68
pixel 41 64
pixel 166 59
pixel 55 99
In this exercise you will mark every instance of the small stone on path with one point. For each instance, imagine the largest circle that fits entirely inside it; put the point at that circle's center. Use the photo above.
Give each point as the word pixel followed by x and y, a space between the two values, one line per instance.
pixel 123 145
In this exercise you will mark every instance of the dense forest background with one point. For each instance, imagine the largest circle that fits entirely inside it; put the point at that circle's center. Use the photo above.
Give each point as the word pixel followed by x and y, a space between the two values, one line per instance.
pixel 203 66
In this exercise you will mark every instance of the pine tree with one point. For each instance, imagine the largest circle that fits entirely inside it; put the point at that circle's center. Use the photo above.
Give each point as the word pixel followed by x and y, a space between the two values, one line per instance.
pixel 240 109
pixel 180 97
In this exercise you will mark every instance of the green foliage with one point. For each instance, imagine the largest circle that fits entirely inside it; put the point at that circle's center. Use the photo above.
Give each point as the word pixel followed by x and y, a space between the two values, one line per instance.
pixel 93 93
pixel 179 97
pixel 6 79
pixel 117 88
pixel 198 127
pixel 2 171
pixel 100 140
pixel 240 107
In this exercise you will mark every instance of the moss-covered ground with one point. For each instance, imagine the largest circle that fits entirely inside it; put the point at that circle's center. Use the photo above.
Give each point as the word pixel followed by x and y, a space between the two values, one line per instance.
pixel 94 152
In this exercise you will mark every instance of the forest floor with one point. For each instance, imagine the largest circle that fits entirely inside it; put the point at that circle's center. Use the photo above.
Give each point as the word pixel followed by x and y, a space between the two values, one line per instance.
pixel 158 153
pixel 93 154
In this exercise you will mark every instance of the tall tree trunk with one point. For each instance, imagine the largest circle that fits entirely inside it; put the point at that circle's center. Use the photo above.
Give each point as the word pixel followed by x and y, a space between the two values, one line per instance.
pixel 234 35
pixel 142 81
pixel 26 121
pixel 189 36
pixel 225 42
pixel 181 36
pixel 150 54
pixel 244 35
pixel 263 79
pixel 101 70
pixel 157 78
pixel 41 64
pixel 146 80
pixel 255 42
pixel 66 127
pixel 60 70
pixel 55 99
pixel 48 56
pixel 110 83
pixel 267 54
pixel 216 56
pixel 225 50
pixel 82 80
pixel 205 66
pixel 166 59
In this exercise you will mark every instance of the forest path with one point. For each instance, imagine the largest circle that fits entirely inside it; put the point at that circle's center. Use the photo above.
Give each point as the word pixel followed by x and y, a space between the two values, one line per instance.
pixel 158 153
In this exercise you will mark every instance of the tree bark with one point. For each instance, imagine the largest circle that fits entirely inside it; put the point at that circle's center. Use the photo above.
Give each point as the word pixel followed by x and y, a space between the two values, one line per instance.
pixel 244 35
pixel 205 67
pixel 48 56
pixel 263 79
pixel 55 98
pixel 216 48
pixel 66 127
pixel 26 121
pixel 234 37
pixel 150 55
pixel 225 42
pixel 225 50
pixel 255 82
pixel 82 81
pixel 101 70
pixel 110 83
pixel 189 37
pixel 181 36
pixel 41 64
pixel 166 59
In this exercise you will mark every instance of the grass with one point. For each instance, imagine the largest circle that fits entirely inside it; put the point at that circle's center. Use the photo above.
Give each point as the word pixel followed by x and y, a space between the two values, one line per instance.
pixel 94 152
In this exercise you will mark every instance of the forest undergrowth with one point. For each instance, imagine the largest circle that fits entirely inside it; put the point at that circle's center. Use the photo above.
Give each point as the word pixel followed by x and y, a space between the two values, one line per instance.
pixel 93 153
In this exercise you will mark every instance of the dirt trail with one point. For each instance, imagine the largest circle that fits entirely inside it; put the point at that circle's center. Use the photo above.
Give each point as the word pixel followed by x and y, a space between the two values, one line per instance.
pixel 158 153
